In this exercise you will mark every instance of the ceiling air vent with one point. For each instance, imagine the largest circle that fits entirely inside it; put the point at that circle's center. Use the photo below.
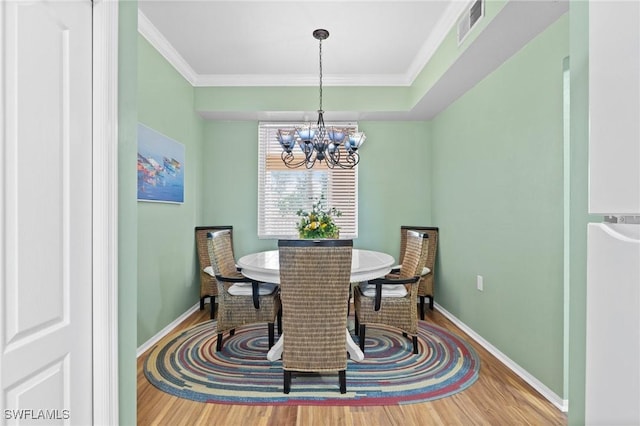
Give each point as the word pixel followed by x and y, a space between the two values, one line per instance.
pixel 469 18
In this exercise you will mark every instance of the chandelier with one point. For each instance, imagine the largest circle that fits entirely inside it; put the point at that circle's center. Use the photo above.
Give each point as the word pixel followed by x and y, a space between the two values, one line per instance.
pixel 334 146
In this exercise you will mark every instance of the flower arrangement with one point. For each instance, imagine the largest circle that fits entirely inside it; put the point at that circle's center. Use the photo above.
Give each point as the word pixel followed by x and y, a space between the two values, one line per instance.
pixel 318 223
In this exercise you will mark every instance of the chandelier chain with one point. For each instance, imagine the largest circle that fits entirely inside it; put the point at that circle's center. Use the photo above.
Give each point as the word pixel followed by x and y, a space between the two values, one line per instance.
pixel 320 75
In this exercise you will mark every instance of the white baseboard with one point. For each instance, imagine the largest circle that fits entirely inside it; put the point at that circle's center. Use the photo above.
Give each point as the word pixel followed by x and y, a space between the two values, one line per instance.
pixel 551 396
pixel 155 339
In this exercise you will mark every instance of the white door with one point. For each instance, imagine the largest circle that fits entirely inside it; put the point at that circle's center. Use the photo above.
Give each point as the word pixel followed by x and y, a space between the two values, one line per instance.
pixel 45 212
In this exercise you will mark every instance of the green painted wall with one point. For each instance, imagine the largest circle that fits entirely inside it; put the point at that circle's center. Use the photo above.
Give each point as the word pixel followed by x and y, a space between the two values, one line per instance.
pixel 393 190
pixel 230 182
pixel 225 99
pixel 579 127
pixel 391 193
pixel 167 283
pixel 497 165
pixel 127 215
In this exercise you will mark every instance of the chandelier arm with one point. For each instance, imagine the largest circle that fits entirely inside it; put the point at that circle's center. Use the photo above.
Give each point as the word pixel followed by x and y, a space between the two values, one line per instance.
pixel 309 157
pixel 353 160
pixel 335 156
pixel 289 160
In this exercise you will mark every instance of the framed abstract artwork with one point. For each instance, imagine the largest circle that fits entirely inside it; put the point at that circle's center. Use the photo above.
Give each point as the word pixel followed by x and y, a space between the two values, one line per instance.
pixel 160 167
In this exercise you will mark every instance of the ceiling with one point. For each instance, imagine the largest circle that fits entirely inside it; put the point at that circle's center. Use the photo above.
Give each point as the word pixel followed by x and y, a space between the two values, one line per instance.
pixel 371 43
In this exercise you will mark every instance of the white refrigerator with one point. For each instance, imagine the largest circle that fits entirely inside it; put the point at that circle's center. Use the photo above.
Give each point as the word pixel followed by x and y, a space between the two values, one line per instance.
pixel 612 388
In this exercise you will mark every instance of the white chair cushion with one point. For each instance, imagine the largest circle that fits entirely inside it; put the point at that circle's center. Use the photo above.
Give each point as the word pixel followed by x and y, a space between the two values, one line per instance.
pixel 424 272
pixel 209 270
pixel 245 289
pixel 388 290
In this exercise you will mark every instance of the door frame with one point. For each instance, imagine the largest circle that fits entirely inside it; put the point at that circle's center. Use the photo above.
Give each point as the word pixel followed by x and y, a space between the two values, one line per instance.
pixel 105 212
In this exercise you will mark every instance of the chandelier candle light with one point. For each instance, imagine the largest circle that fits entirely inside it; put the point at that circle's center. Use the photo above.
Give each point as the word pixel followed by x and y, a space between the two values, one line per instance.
pixel 333 146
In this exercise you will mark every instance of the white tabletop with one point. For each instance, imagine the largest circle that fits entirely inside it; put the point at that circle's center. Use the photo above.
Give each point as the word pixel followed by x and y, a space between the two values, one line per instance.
pixel 365 265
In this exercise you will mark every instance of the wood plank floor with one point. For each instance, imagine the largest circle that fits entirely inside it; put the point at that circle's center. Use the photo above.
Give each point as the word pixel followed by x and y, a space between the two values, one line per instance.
pixel 498 397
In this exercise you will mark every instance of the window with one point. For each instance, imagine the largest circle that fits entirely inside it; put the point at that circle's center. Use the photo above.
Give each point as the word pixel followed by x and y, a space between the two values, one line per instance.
pixel 283 191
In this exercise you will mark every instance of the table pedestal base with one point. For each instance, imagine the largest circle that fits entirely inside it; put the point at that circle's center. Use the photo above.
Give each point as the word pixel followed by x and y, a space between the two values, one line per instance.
pixel 275 353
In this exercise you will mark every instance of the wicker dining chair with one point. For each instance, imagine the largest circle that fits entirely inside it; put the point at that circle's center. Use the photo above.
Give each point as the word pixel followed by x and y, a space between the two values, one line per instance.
pixel 426 285
pixel 208 283
pixel 314 287
pixel 398 309
pixel 241 300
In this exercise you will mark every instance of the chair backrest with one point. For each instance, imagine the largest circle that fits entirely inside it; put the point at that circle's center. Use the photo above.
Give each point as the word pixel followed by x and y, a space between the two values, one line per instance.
pixel 415 253
pixel 202 245
pixel 314 289
pixel 432 232
pixel 221 252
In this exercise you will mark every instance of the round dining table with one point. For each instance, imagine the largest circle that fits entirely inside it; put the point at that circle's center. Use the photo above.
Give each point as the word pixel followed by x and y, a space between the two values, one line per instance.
pixel 365 265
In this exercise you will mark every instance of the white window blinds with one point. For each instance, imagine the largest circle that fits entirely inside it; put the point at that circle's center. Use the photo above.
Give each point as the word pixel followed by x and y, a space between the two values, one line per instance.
pixel 283 191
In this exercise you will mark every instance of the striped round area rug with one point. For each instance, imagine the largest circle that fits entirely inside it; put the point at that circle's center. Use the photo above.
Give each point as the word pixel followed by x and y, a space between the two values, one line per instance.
pixel 187 365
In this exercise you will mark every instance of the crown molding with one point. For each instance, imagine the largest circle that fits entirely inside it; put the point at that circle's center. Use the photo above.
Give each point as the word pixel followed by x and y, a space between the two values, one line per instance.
pixel 160 43
pixel 256 80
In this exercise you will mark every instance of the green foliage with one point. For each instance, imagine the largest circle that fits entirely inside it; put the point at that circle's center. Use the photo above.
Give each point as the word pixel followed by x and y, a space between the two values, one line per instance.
pixel 318 223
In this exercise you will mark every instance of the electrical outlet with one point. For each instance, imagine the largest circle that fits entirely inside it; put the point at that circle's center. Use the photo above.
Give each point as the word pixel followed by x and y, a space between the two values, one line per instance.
pixel 479 283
